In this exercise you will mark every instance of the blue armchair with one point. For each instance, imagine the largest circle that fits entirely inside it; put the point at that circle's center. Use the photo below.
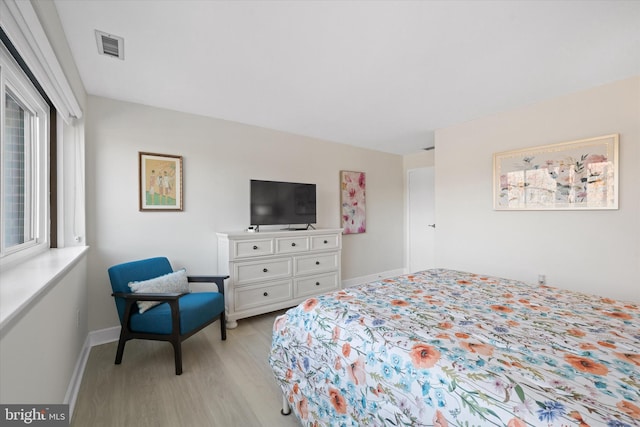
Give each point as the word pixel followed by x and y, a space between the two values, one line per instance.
pixel 178 315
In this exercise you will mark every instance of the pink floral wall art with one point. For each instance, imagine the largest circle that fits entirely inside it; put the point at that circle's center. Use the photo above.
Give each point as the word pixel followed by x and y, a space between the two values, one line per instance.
pixel 352 197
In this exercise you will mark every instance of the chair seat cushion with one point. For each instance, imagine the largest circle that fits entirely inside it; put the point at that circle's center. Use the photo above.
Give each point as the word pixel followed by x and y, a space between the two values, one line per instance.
pixel 196 309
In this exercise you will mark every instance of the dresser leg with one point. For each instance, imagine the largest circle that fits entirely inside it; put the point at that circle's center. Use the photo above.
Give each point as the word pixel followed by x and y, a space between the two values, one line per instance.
pixel 232 324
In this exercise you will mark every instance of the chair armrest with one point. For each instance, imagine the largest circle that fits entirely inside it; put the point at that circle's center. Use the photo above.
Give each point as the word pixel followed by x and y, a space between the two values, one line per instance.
pixel 218 280
pixel 131 298
pixel 148 296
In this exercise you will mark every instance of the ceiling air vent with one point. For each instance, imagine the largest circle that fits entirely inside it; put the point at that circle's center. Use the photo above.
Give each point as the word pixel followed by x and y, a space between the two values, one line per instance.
pixel 110 45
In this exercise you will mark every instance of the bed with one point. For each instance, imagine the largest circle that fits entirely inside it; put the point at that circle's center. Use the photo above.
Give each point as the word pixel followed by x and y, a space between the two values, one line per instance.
pixel 449 348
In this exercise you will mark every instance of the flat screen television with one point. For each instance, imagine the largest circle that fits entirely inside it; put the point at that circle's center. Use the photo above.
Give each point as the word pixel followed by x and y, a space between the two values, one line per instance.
pixel 282 203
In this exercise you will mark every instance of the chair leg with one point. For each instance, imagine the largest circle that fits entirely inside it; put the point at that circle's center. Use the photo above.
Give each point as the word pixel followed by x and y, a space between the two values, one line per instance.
pixel 177 350
pixel 120 351
pixel 223 327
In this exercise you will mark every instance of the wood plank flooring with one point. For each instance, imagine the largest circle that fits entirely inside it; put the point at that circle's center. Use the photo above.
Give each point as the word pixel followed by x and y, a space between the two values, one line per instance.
pixel 224 383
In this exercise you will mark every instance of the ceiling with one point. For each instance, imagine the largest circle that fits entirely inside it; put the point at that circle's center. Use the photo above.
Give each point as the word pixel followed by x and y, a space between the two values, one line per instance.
pixel 377 74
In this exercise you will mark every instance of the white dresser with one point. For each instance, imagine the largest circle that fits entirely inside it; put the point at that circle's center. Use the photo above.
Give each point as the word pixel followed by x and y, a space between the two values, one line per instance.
pixel 271 270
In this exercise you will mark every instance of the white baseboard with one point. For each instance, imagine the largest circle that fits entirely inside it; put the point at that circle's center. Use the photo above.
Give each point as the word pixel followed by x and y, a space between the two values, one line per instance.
pixel 94 338
pixel 103 336
pixel 76 377
pixel 372 277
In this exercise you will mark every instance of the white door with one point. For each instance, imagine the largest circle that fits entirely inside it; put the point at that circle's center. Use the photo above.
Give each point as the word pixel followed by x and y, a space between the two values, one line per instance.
pixel 421 219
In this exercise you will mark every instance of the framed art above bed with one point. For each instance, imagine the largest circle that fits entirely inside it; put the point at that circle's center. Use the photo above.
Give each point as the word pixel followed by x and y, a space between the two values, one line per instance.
pixel 570 175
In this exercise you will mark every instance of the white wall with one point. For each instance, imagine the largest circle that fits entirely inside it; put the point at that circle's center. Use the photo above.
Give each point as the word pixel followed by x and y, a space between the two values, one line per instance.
pixel 421 159
pixel 219 159
pixel 591 251
pixel 39 351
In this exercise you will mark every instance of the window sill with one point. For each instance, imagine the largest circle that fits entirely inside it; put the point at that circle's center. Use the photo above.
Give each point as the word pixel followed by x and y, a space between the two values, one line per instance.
pixel 22 285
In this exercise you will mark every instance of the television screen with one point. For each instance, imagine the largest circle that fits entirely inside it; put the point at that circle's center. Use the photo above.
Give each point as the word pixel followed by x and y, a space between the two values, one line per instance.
pixel 280 203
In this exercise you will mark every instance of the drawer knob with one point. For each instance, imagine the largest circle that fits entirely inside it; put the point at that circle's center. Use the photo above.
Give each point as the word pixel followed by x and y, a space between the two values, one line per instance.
pixel 255 247
pixel 293 244
pixel 264 270
pixel 325 242
pixel 266 294
pixel 317 283
pixel 317 262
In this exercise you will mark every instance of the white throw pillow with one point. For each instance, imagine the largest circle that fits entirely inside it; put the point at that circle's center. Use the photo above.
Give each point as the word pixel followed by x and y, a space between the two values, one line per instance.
pixel 169 283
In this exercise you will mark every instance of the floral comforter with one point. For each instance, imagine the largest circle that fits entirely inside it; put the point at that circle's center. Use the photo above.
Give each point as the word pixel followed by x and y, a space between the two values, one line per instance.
pixel 447 348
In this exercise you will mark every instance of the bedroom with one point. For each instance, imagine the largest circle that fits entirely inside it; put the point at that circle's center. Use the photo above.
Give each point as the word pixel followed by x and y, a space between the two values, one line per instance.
pixel 580 250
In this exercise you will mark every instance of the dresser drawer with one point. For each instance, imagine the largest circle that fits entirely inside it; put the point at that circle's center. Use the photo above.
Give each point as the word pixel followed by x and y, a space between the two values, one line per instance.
pixel 285 245
pixel 331 241
pixel 257 271
pixel 247 297
pixel 315 284
pixel 315 263
pixel 252 248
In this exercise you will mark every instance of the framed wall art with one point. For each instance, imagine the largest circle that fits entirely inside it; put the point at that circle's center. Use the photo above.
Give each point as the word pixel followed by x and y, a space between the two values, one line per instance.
pixel 569 175
pixel 160 182
pixel 352 199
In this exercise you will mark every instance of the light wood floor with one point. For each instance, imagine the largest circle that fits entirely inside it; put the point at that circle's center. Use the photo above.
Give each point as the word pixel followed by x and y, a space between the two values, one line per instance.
pixel 224 383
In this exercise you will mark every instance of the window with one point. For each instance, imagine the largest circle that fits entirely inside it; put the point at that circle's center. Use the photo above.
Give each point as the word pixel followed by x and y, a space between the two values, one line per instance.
pixel 24 154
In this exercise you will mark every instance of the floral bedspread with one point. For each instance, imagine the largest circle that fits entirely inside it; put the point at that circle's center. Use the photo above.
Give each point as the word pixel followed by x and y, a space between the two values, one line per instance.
pixel 447 348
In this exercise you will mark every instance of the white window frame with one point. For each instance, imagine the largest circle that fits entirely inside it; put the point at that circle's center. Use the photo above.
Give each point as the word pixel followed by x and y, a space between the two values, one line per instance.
pixel 36 164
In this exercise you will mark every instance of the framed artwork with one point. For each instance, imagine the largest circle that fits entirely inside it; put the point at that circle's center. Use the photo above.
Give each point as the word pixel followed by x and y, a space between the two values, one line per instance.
pixel 352 199
pixel 569 175
pixel 160 182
